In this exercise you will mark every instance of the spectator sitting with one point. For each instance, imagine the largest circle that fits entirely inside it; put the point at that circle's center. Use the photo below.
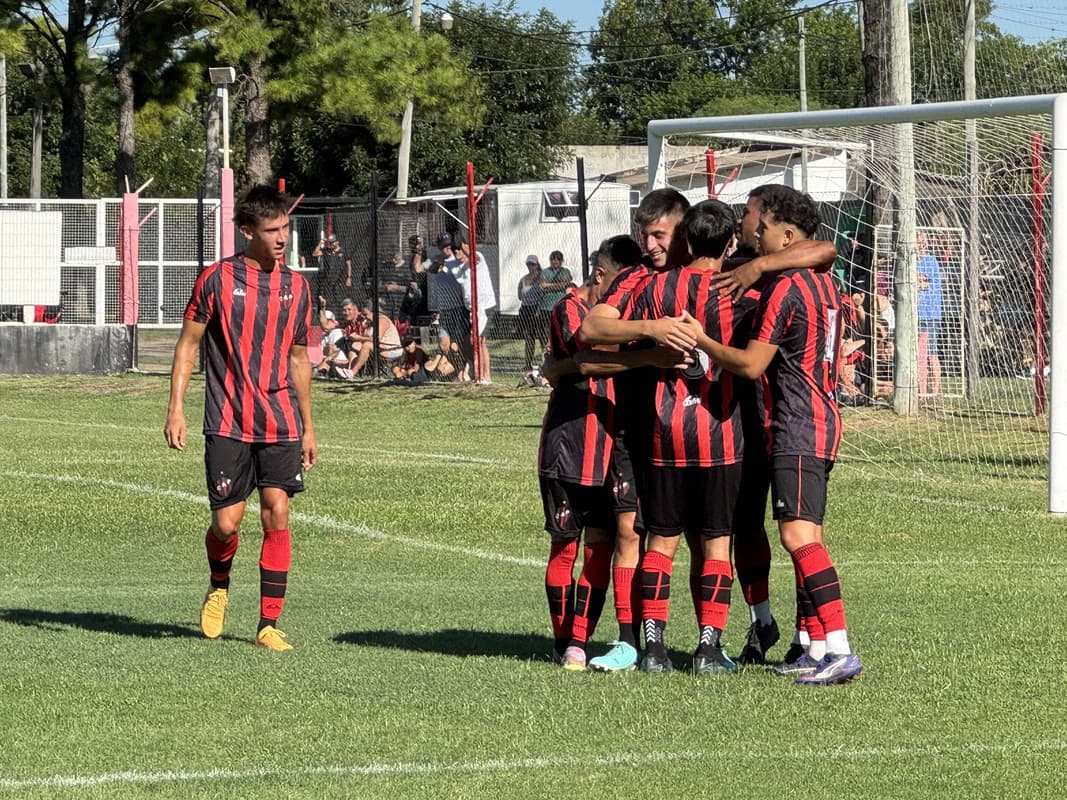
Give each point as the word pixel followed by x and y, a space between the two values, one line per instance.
pixel 447 364
pixel 334 363
pixel 388 336
pixel 411 371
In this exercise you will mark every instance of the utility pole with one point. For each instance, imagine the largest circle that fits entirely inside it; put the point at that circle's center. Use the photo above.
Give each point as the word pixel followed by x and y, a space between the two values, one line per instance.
pixel 973 327
pixel 905 373
pixel 404 156
pixel 3 125
pixel 802 68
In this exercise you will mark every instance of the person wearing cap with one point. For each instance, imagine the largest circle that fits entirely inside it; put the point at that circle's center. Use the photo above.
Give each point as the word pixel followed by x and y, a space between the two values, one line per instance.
pixel 529 302
pixel 486 299
pixel 335 270
pixel 555 280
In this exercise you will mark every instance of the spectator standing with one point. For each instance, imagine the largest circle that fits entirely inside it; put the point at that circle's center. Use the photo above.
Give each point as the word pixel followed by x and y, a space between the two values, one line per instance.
pixel 929 311
pixel 529 292
pixel 555 280
pixel 335 270
pixel 486 298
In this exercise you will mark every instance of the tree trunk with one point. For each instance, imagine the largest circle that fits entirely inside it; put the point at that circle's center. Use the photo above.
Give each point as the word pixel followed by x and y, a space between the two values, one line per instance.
pixel 257 126
pixel 125 175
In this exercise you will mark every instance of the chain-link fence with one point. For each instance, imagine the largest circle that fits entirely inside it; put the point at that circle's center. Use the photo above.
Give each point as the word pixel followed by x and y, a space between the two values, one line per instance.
pixel 176 237
pixel 528 240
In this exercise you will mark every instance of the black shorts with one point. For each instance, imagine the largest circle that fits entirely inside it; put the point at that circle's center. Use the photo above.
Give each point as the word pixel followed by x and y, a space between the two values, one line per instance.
pixel 623 481
pixel 234 469
pixel 695 499
pixel 798 487
pixel 570 508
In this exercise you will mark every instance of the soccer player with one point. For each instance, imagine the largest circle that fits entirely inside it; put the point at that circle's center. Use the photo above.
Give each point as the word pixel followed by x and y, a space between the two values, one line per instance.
pixel 796 339
pixel 622 256
pixel 696 445
pixel 253 314
pixel 573 468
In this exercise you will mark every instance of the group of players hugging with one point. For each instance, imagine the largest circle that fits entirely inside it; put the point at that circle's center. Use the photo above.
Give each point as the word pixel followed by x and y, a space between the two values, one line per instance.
pixel 690 379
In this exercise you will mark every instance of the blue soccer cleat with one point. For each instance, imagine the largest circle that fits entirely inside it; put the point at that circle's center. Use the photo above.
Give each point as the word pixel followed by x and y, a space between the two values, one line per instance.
pixel 621 657
pixel 834 668
pixel 801 665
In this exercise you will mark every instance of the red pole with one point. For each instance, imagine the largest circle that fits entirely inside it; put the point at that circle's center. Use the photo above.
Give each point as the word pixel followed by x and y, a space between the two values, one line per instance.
pixel 472 210
pixel 1038 222
pixel 709 162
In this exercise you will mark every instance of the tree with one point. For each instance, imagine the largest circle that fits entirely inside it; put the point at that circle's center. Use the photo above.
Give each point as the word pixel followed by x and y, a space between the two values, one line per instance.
pixel 70 69
pixel 674 58
pixel 526 68
pixel 308 54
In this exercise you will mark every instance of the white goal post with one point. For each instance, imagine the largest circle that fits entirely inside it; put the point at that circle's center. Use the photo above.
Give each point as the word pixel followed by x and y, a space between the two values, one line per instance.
pixel 1054 106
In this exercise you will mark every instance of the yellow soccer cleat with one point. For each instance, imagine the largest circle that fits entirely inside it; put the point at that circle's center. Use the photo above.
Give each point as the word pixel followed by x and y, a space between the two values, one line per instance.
pixel 213 613
pixel 272 639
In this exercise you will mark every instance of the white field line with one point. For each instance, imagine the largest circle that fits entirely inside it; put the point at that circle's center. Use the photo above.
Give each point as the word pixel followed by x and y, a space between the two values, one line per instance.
pixel 391 456
pixel 366 532
pixel 329 523
pixel 842 753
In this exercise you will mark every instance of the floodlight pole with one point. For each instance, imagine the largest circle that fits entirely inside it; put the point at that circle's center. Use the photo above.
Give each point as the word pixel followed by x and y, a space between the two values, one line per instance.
pixel 222 77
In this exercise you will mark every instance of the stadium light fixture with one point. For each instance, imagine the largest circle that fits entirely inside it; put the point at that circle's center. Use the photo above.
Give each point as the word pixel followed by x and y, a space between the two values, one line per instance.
pixel 223 77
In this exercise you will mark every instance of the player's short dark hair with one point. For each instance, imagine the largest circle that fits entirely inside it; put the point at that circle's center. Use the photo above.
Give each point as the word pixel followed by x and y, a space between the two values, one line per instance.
pixel 791 207
pixel 709 226
pixel 555 254
pixel 259 203
pixel 660 203
pixel 761 190
pixel 619 252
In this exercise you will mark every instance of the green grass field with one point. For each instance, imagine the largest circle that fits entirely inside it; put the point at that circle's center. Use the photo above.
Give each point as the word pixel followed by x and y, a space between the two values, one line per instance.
pixel 416 608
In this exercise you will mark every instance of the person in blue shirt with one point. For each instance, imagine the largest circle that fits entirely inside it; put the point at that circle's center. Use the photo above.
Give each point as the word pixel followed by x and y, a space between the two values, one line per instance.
pixel 930 303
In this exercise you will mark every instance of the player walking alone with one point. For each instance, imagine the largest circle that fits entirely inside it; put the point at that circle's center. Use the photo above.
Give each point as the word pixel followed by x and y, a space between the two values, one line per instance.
pixel 253 315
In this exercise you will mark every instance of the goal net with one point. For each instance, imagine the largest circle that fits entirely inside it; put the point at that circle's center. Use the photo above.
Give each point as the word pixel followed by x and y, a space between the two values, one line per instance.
pixel 942 215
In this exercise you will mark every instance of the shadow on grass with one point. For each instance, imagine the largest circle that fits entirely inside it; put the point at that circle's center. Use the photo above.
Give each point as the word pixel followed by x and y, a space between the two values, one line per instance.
pixel 455 642
pixel 97 621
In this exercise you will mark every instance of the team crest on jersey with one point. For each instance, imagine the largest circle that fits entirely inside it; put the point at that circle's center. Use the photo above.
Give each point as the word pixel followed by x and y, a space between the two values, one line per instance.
pixel 621 489
pixel 563 516
pixel 285 296
pixel 223 485
pixel 700 367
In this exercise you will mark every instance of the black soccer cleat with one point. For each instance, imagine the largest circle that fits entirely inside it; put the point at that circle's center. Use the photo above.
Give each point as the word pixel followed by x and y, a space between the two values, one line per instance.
pixel 712 661
pixel 655 662
pixel 759 639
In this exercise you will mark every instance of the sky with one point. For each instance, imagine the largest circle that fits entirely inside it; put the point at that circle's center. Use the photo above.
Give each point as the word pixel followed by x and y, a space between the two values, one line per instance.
pixel 1031 20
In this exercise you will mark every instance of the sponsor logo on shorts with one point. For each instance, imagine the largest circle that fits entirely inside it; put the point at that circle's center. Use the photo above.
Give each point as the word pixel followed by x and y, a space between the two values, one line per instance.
pixel 621 489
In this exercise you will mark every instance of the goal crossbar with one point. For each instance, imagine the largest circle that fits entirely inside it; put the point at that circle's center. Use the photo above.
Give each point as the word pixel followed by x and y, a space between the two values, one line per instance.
pixel 1054 105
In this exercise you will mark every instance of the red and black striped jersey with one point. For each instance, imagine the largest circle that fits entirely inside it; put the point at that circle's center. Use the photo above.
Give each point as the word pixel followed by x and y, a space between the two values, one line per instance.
pixel 698 412
pixel 633 387
pixel 626 287
pixel 800 312
pixel 253 319
pixel 576 436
